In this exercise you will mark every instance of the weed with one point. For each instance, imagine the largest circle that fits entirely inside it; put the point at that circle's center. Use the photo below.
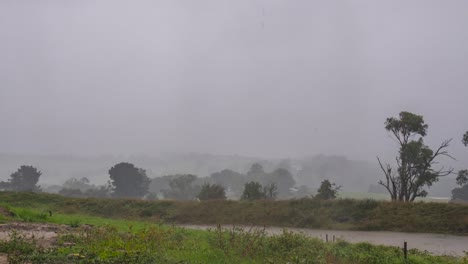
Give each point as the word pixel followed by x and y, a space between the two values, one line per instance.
pixel 74 223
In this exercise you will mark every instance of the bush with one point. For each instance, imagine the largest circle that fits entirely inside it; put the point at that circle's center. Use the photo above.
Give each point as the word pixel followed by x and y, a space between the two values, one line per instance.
pixel 253 191
pixel 212 192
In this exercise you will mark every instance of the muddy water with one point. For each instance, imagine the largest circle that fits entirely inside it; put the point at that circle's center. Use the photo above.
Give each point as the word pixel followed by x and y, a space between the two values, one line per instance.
pixel 437 244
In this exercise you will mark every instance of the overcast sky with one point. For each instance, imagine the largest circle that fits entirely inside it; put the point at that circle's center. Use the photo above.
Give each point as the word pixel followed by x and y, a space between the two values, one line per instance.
pixel 259 78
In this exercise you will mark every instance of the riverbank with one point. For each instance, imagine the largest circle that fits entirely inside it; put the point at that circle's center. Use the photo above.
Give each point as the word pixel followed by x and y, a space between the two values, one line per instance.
pixel 340 214
pixel 120 241
pixel 435 244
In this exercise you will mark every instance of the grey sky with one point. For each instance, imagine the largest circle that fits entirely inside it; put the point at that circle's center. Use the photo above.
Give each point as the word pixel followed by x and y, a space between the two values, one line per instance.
pixel 259 78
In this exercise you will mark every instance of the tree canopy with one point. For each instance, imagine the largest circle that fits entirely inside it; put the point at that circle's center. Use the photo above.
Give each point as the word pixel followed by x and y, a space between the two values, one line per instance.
pixel 182 187
pixel 24 179
pixel 253 191
pixel 128 180
pixel 414 164
pixel 327 190
pixel 462 179
pixel 465 139
pixel 282 179
pixel 212 192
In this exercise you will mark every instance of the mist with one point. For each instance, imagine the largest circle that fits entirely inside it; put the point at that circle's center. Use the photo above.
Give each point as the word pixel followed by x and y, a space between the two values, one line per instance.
pixel 262 79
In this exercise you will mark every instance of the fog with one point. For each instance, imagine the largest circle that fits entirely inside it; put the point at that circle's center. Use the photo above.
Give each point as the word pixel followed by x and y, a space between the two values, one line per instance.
pixel 265 79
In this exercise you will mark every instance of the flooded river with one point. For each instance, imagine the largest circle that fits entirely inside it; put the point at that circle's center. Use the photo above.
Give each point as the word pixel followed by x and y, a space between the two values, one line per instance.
pixel 437 244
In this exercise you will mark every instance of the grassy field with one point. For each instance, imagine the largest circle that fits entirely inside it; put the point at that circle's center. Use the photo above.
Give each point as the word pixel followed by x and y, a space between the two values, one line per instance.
pixel 309 213
pixel 384 197
pixel 125 241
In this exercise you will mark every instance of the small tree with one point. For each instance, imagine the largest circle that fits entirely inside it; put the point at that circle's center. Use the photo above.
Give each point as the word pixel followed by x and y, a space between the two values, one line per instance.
pixel 460 193
pixel 24 179
pixel 327 190
pixel 282 179
pixel 270 191
pixel 182 187
pixel 229 179
pixel 253 191
pixel 256 173
pixel 128 180
pixel 255 169
pixel 212 192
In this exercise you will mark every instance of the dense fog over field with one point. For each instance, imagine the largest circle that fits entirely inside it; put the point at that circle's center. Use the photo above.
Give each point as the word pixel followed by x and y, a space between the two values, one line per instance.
pixel 92 81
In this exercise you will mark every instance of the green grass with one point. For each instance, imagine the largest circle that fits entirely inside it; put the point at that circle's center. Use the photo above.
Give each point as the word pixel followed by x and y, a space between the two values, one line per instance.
pixel 383 197
pixel 118 240
pixel 362 196
pixel 343 214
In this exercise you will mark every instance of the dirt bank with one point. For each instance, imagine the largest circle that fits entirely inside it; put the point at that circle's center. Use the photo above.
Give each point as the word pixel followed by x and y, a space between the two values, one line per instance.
pixel 44 234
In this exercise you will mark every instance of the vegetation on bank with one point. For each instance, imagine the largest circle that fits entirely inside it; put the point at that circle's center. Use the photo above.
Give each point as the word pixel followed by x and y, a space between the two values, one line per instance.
pixel 123 241
pixel 307 213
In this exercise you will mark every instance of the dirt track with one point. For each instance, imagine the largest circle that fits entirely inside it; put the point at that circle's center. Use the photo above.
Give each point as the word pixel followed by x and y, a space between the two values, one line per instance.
pixel 44 234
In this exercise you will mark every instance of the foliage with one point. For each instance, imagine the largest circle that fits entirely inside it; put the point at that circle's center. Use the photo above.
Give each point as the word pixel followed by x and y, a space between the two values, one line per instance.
pixel 128 180
pixel 97 192
pixel 460 193
pixel 237 240
pixel 159 184
pixel 415 160
pixel 238 243
pixel 182 187
pixel 230 179
pixel 256 170
pixel 81 184
pixel 270 191
pixel 105 244
pixel 327 190
pixel 24 179
pixel 253 191
pixel 18 247
pixel 282 179
pixel 462 179
pixel 71 192
pixel 306 212
pixel 212 192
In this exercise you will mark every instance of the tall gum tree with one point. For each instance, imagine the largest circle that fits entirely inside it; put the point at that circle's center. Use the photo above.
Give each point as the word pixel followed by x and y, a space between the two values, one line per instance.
pixel 414 164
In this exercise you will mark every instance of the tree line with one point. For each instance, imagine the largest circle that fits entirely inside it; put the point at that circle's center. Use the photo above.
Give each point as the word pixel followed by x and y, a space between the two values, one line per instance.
pixel 129 181
pixel 407 178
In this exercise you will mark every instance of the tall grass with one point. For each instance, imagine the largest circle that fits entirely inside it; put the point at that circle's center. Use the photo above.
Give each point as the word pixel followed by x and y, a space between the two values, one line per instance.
pixel 158 244
pixel 308 213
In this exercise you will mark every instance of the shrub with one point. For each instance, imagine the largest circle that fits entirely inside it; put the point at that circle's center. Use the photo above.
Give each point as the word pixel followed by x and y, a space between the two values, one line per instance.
pixel 253 191
pixel 212 192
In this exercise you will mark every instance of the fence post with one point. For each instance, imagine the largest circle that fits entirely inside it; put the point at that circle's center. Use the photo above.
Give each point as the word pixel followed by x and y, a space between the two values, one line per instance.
pixel 405 249
pixel 326 238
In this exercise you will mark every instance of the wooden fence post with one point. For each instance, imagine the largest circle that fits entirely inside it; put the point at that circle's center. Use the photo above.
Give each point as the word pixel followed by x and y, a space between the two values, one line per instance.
pixel 405 249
